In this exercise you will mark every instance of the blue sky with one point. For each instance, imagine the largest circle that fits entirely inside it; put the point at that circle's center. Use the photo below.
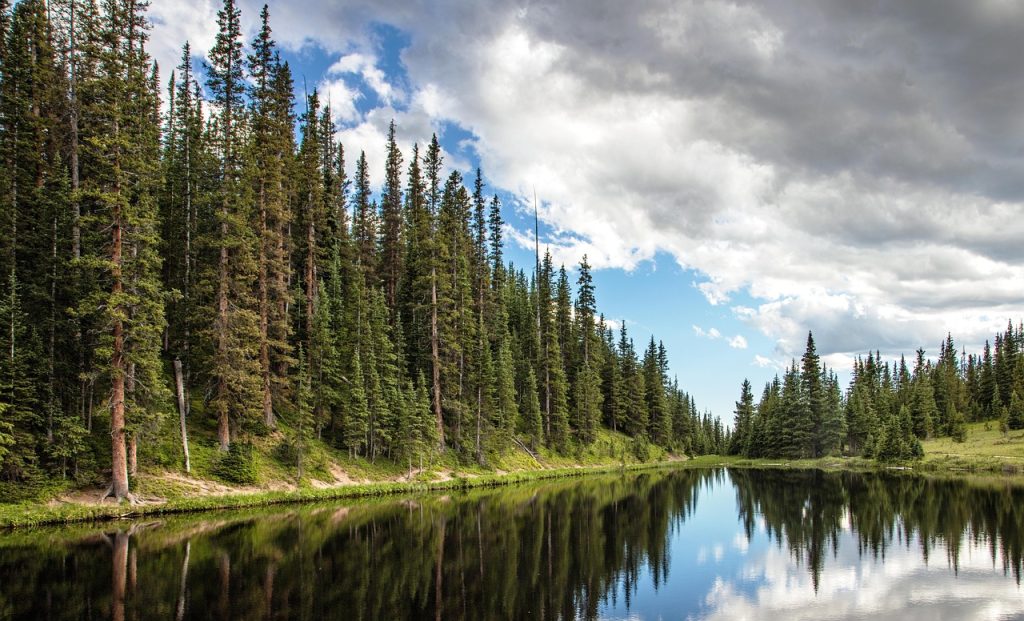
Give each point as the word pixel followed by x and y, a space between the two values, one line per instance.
pixel 737 173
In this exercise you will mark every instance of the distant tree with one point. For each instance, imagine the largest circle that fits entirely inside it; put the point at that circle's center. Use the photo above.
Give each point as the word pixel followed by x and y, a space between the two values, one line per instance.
pixel 743 422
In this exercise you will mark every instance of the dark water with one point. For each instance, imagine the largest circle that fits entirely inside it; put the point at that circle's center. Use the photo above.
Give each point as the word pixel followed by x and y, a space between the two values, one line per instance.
pixel 683 544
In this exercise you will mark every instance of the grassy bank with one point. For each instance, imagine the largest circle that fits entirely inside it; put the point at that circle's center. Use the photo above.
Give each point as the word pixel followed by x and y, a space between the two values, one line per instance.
pixel 24 515
pixel 986 452
pixel 329 474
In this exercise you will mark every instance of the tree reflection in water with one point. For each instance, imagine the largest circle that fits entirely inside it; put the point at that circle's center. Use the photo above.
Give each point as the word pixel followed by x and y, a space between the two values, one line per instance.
pixel 561 550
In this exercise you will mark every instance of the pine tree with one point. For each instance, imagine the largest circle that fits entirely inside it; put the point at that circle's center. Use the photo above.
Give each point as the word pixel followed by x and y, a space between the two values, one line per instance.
pixel 813 394
pixel 121 192
pixel 589 396
pixel 742 427
pixel 506 410
pixel 529 407
pixel 364 223
pixel 635 415
pixel 1015 412
pixel 234 366
pixel 587 399
pixel 432 169
pixel 794 424
pixel 184 156
pixel 18 394
pixel 303 413
pixel 269 150
pixel 357 411
pixel 957 424
pixel 392 251
pixel 660 423
pixel 311 217
pixel 923 410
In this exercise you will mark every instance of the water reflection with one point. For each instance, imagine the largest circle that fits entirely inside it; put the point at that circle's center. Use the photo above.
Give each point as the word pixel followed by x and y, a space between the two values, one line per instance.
pixel 672 544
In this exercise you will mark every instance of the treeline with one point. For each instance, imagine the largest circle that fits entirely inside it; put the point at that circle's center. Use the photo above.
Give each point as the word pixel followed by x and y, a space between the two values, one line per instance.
pixel 213 246
pixel 887 408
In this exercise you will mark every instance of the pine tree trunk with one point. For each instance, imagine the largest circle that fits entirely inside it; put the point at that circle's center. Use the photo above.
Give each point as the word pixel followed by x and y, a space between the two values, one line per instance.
pixel 133 454
pixel 186 286
pixel 479 416
pixel 223 430
pixel 310 278
pixel 119 462
pixel 264 304
pixel 51 379
pixel 14 255
pixel 436 357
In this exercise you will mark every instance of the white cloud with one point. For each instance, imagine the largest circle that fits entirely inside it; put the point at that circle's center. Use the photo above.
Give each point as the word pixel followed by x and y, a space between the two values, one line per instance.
pixel 365 66
pixel 711 333
pixel 879 208
pixel 738 342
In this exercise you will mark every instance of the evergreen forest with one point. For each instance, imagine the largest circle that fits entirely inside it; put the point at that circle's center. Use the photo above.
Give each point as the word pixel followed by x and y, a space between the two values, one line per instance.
pixel 183 253
pixel 888 408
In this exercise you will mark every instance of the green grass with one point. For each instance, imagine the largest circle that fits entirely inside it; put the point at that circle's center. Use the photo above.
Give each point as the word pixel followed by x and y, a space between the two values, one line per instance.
pixel 986 449
pixel 22 515
pixel 983 440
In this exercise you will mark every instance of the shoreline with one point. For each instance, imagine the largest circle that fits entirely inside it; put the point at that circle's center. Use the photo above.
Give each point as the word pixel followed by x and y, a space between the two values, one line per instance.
pixel 41 514
pixel 20 516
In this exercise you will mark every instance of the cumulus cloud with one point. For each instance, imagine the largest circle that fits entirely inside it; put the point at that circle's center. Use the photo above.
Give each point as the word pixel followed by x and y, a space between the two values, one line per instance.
pixel 713 334
pixel 854 168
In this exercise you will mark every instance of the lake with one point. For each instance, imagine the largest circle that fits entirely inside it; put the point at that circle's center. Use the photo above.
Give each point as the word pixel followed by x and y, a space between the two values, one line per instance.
pixel 658 544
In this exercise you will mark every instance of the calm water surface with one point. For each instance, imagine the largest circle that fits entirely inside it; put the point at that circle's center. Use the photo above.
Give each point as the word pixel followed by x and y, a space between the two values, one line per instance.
pixel 683 544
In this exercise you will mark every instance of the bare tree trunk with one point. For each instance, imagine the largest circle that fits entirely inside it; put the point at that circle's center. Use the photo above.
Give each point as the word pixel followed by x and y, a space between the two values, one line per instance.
pixel 179 382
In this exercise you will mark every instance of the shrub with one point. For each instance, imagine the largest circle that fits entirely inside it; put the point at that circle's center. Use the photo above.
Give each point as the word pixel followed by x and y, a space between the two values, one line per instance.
pixel 238 465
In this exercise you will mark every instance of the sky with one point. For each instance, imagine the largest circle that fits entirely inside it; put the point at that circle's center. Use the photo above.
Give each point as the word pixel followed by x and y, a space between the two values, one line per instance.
pixel 738 173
